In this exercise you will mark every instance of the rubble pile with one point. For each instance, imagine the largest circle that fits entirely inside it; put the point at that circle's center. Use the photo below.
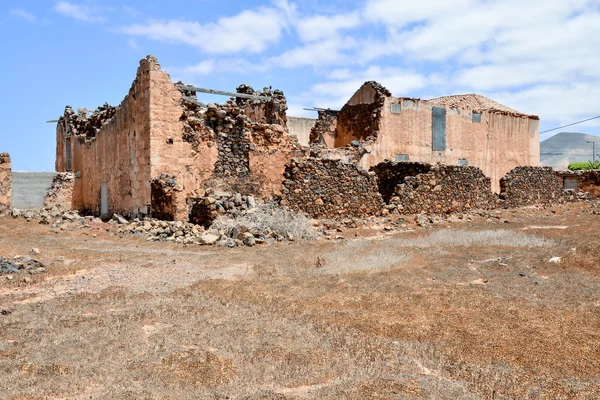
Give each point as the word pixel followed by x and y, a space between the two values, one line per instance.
pixel 205 209
pixel 524 186
pixel 5 183
pixel 330 189
pixel 350 154
pixel 60 194
pixel 21 264
pixel 85 125
pixel 443 189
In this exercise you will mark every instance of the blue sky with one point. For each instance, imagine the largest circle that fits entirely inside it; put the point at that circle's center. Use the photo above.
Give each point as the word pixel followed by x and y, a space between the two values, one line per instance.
pixel 539 57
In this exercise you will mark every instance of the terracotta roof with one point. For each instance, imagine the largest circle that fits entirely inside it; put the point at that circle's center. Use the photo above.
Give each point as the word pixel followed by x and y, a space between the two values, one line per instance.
pixel 475 102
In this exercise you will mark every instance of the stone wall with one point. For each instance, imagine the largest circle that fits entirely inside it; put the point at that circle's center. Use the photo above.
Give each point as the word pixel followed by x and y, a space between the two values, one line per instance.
pixel 587 181
pixel 330 189
pixel 524 186
pixel 325 129
pixel 360 118
pixel 5 182
pixel 433 189
pixel 60 195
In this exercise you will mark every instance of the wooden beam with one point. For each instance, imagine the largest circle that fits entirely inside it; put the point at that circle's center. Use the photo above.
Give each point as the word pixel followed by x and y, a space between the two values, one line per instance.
pixel 193 101
pixel 222 93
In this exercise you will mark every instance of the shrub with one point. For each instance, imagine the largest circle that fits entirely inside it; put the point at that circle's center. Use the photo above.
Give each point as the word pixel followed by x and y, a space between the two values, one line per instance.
pixel 584 165
pixel 270 218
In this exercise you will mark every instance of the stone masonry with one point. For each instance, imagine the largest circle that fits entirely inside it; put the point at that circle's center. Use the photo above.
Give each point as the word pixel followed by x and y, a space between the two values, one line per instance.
pixel 5 182
pixel 60 195
pixel 433 189
pixel 526 185
pixel 330 189
pixel 587 181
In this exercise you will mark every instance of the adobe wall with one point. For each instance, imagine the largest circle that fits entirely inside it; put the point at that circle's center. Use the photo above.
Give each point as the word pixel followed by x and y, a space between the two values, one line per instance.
pixel 330 189
pixel 526 185
pixel 497 144
pixel 117 154
pixel 433 189
pixel 5 182
pixel 587 181
pixel 241 146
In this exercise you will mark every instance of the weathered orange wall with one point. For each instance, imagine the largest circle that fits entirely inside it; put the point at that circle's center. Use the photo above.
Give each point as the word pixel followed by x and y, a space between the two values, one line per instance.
pixel 190 168
pixel 59 164
pixel 496 145
pixel 119 156
pixel 5 182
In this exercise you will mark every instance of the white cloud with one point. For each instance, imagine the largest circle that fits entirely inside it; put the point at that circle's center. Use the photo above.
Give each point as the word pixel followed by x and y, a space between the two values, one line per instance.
pixel 321 27
pixel 325 52
pixel 22 13
pixel 249 31
pixel 80 12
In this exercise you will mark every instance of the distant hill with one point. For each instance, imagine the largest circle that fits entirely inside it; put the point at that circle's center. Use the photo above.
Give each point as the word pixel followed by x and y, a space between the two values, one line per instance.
pixel 567 147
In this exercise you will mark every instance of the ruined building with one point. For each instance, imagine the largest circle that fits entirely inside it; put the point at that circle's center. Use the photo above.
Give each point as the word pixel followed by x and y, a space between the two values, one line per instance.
pixel 155 151
pixel 454 130
pixel 164 154
pixel 5 182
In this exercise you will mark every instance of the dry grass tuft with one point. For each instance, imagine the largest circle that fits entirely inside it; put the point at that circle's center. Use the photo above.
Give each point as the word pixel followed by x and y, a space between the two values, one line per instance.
pixel 362 255
pixel 457 237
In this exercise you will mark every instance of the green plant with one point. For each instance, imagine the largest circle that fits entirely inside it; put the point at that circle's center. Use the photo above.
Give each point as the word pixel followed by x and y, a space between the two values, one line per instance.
pixel 584 165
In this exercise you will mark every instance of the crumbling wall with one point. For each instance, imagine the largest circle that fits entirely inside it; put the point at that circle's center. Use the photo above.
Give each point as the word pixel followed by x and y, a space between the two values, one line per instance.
pixel 301 127
pixel 442 189
pixel 5 182
pixel 263 111
pixel 526 185
pixel 116 155
pixel 60 195
pixel 360 118
pixel 587 181
pixel 330 189
pixel 391 174
pixel 325 129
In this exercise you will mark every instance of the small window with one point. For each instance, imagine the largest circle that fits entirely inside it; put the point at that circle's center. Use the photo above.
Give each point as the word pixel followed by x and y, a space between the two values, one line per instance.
pixel 438 127
pixel 401 157
pixel 463 161
pixel 395 108
pixel 476 117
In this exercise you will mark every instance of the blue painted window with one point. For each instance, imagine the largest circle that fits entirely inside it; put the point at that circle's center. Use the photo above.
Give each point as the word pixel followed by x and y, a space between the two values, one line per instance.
pixel 395 108
pixel 438 126
pixel 401 157
pixel 476 117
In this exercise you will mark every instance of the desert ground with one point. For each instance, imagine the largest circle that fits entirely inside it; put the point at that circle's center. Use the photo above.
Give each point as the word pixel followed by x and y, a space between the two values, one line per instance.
pixel 460 310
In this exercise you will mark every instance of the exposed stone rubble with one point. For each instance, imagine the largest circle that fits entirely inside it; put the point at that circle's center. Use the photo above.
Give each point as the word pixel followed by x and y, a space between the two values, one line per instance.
pixel 350 154
pixel 206 209
pixel 162 190
pixel 85 125
pixel 20 264
pixel 263 111
pixel 362 119
pixel 588 183
pixel 5 183
pixel 60 194
pixel 434 189
pixel 330 189
pixel 325 127
pixel 525 185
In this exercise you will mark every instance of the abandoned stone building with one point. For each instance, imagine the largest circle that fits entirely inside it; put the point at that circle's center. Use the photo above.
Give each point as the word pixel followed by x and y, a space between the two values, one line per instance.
pixel 164 154
pixel 5 182
pixel 454 130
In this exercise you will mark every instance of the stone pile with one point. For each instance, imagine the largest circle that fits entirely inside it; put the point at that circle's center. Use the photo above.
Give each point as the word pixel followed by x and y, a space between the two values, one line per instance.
pixel 21 264
pixel 525 186
pixel 161 189
pixel 443 189
pixel 60 194
pixel 86 126
pixel 206 209
pixel 5 183
pixel 330 189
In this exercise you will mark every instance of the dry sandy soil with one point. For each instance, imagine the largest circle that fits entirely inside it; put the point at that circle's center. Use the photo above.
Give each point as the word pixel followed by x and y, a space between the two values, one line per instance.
pixel 465 310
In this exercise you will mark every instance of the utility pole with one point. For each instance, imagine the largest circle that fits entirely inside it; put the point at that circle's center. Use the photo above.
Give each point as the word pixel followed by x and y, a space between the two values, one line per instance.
pixel 593 150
